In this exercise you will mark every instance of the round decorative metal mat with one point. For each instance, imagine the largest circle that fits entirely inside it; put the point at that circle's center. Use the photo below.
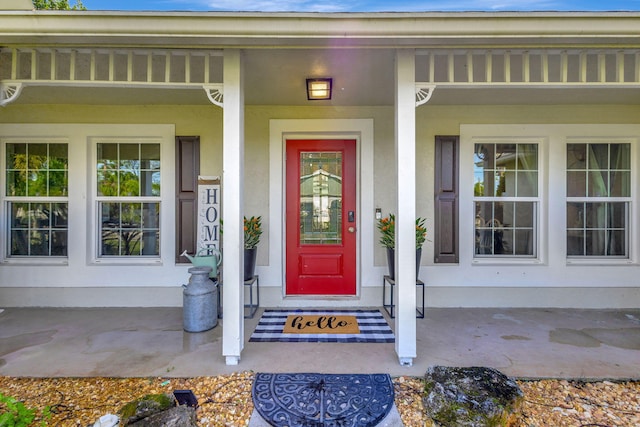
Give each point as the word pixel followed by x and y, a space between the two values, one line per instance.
pixel 323 400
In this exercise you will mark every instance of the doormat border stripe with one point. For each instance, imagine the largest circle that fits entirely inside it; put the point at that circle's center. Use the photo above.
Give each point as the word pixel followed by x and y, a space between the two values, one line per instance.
pixel 373 327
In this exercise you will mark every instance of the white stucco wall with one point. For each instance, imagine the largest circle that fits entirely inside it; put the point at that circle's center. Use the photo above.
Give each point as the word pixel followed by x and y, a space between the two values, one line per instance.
pixel 82 267
pixel 447 285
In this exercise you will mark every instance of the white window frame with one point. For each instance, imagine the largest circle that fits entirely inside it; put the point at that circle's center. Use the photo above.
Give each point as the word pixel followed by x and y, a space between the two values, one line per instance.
pixel 552 210
pixel 165 160
pixel 471 134
pixel 537 200
pixel 5 254
pixel 631 238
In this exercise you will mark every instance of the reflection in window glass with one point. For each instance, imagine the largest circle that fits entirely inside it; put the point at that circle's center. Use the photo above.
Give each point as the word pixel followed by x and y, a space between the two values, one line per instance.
pixel 597 225
pixel 128 169
pixel 38 170
pixel 506 178
pixel 509 229
pixel 130 229
pixel 36 177
pixel 38 229
pixel 506 170
pixel 321 198
pixel 128 190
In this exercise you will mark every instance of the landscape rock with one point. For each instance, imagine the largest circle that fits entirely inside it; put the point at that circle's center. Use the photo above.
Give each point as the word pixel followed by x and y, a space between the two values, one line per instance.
pixel 178 416
pixel 144 407
pixel 471 397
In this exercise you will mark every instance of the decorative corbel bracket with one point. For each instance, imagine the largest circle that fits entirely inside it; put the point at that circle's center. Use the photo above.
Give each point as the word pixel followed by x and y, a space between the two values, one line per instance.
pixel 9 92
pixel 423 93
pixel 215 93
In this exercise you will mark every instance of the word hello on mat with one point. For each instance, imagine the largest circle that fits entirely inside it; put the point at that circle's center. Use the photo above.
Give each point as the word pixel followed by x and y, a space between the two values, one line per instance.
pixel 321 324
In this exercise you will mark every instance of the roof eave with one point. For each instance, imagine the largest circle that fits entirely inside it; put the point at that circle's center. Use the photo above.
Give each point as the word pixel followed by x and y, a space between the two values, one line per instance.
pixel 253 29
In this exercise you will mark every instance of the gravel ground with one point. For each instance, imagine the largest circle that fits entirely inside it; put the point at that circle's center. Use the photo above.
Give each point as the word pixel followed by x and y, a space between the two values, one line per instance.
pixel 226 400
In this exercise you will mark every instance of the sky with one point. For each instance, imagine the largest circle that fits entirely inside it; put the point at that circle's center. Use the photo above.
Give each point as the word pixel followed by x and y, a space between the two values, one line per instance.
pixel 362 5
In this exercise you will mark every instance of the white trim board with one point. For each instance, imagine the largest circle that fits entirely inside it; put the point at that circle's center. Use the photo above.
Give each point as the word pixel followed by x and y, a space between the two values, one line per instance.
pixel 279 131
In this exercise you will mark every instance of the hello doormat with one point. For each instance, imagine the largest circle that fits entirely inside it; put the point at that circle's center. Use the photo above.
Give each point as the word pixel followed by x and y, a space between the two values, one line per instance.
pixel 348 326
pixel 320 324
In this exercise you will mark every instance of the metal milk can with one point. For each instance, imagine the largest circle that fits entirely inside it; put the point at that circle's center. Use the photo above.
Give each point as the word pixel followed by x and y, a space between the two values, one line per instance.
pixel 200 301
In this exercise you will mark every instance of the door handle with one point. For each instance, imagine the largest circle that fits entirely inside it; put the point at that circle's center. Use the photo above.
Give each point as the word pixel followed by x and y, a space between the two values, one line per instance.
pixel 352 229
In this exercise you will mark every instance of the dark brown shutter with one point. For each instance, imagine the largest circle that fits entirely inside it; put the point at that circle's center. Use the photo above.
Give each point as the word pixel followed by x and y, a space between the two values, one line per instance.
pixel 446 199
pixel 187 171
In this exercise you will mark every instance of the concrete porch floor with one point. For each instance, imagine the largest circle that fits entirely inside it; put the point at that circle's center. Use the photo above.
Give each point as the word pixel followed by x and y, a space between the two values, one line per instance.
pixel 141 342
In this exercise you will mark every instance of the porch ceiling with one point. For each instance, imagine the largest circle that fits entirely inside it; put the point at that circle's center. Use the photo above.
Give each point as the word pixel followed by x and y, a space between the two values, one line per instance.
pixel 361 77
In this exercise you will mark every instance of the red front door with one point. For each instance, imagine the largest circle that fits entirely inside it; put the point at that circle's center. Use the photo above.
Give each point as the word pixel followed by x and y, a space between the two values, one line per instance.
pixel 321 217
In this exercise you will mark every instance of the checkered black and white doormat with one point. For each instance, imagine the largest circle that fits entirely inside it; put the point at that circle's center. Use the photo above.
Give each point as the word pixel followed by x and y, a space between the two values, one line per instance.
pixel 372 324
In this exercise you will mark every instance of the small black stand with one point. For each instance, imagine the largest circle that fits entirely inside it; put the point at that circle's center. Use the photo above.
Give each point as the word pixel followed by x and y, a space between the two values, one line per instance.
pixel 391 306
pixel 252 306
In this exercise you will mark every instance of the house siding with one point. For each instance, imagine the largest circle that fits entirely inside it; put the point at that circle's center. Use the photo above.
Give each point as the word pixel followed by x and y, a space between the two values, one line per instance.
pixel 463 284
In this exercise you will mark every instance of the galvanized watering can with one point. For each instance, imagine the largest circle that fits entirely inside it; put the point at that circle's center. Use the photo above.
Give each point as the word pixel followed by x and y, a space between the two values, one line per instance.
pixel 212 258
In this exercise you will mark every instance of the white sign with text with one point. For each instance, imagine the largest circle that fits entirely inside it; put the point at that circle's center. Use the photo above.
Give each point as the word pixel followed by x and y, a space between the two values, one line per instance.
pixel 208 212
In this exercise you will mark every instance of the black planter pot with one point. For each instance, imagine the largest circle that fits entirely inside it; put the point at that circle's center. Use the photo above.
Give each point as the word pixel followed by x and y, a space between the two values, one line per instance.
pixel 250 263
pixel 392 265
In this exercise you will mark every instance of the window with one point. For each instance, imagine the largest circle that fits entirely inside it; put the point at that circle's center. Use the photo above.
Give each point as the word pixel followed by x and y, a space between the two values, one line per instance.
pixel 37 199
pixel 128 196
pixel 598 199
pixel 321 198
pixel 505 199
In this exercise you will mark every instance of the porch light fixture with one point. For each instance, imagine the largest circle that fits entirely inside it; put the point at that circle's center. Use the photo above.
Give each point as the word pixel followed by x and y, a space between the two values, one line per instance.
pixel 319 89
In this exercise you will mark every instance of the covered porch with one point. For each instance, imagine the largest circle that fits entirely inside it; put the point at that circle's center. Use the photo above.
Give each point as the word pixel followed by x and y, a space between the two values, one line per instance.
pixel 149 342
pixel 395 88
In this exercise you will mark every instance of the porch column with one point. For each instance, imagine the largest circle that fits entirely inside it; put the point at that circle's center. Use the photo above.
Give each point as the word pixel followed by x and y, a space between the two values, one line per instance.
pixel 232 203
pixel 405 251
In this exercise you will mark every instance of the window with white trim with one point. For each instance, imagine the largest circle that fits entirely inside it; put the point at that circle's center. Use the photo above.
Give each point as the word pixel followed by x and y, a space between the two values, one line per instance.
pixel 598 199
pixel 36 189
pixel 128 197
pixel 506 199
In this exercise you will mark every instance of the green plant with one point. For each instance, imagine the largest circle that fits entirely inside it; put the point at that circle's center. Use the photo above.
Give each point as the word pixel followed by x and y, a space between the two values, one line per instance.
pixel 387 227
pixel 252 231
pixel 16 414
pixel 58 5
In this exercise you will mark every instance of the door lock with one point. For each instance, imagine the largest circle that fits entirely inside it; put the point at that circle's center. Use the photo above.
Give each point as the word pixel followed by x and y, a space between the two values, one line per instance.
pixel 351 216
